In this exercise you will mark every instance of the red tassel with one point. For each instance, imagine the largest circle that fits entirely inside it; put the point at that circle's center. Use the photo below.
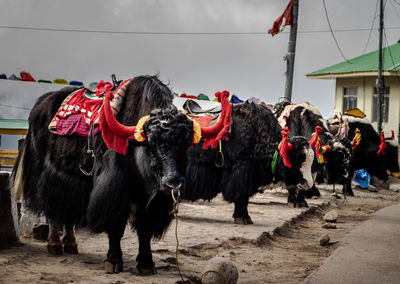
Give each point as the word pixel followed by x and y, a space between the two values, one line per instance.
pixel 211 135
pixel 115 135
pixel 383 145
pixel 392 134
pixel 314 138
pixel 284 147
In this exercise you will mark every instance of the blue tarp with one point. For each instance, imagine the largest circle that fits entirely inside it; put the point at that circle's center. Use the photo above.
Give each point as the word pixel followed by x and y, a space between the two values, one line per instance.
pixel 362 178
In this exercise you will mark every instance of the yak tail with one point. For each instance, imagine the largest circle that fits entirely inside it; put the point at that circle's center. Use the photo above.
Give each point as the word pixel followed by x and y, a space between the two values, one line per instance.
pixel 17 181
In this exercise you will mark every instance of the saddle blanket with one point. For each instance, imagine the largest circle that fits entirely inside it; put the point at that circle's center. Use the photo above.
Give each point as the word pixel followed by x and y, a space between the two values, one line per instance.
pixel 82 108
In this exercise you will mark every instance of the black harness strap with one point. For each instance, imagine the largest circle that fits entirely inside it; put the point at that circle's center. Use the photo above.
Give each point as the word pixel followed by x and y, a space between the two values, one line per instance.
pixel 89 152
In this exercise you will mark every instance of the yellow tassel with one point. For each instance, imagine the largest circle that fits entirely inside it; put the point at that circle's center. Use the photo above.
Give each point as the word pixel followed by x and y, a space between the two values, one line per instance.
pixel 357 137
pixel 197 132
pixel 196 129
pixel 139 129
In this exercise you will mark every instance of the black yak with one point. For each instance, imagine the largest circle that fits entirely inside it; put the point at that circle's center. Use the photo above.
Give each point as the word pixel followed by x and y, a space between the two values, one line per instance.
pixel 250 160
pixel 139 182
pixel 366 154
pixel 335 167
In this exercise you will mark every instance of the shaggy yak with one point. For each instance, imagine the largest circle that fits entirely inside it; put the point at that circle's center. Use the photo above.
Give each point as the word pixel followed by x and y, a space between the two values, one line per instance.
pixel 139 180
pixel 376 154
pixel 250 159
pixel 334 165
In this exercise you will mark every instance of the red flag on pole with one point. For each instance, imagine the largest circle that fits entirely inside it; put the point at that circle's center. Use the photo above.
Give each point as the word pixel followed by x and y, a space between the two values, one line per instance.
pixel 287 15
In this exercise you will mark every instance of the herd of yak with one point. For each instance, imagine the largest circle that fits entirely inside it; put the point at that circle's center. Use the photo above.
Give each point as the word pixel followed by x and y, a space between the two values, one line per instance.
pixel 165 159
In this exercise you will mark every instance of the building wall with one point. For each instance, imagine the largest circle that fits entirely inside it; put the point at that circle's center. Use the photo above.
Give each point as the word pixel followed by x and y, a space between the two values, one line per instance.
pixel 365 89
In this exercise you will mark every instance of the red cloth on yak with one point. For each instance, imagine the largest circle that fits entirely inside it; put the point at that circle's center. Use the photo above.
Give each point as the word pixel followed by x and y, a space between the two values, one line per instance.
pixel 80 109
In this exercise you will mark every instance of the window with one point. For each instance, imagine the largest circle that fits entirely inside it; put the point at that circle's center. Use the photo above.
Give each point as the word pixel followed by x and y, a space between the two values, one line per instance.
pixel 385 106
pixel 349 98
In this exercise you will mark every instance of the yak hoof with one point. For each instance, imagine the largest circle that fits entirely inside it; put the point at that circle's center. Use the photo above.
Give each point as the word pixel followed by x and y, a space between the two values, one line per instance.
pixel 243 220
pixel 55 249
pixel 348 192
pixel 146 270
pixel 302 204
pixel 113 268
pixel 291 204
pixel 71 248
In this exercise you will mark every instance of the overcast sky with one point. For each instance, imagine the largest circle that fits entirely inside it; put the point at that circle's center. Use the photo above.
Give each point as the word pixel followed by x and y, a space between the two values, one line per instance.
pixel 246 65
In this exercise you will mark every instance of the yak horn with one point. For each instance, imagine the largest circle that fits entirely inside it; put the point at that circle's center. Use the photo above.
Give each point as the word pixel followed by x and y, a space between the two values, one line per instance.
pixel 116 135
pixel 118 128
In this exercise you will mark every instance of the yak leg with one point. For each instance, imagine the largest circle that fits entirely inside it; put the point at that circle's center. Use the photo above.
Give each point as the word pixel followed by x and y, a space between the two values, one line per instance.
pixel 54 245
pixel 347 188
pixel 301 202
pixel 114 262
pixel 69 241
pixel 241 215
pixel 145 264
pixel 292 199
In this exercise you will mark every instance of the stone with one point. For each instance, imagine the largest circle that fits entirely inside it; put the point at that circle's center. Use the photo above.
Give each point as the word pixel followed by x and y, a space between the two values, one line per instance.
pixel 324 240
pixel 331 216
pixel 329 226
pixel 220 270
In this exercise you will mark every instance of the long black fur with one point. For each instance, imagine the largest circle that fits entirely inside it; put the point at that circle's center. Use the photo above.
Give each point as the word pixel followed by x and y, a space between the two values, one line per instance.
pixel 254 137
pixel 54 185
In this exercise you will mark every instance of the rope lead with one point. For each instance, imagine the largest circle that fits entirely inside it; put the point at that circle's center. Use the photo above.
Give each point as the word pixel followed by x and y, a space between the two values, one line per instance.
pixel 175 209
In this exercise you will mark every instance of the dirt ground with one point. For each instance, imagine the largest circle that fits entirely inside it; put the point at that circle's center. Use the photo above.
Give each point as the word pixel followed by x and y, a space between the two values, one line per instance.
pixel 281 247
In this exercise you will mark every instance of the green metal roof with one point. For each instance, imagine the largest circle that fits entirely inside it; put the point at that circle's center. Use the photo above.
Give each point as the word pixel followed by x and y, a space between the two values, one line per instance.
pixel 13 126
pixel 365 63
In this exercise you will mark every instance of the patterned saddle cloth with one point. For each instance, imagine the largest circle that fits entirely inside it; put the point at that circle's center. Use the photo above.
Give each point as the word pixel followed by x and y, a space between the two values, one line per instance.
pixel 82 108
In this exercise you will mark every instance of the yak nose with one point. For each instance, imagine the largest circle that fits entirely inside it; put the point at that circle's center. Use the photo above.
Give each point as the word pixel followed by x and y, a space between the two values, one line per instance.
pixel 173 187
pixel 304 185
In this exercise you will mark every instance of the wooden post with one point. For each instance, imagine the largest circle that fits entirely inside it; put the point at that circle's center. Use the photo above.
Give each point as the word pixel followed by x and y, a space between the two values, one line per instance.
pixel 8 214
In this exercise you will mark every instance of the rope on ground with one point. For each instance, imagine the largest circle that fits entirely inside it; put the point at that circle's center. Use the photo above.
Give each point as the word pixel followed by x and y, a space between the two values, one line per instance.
pixel 175 213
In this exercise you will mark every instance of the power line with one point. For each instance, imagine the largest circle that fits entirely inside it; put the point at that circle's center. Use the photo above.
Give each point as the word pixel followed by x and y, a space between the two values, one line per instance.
pixel 390 53
pixel 177 33
pixel 336 41
pixel 395 8
pixel 15 107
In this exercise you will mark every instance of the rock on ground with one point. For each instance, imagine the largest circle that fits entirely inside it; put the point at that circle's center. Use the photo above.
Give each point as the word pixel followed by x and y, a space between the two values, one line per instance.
pixel 331 216
pixel 324 240
pixel 220 270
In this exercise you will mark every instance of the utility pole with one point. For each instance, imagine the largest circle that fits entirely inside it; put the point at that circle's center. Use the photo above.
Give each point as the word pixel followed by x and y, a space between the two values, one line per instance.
pixel 380 84
pixel 291 51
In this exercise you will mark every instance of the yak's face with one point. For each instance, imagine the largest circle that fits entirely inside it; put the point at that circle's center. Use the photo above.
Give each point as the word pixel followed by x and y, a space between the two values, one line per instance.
pixel 301 158
pixel 168 134
pixel 337 167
